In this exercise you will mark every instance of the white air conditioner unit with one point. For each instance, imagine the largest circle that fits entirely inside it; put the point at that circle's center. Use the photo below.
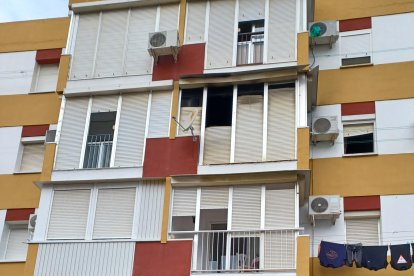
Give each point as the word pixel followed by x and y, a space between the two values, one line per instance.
pixel 32 222
pixel 163 43
pixel 325 129
pixel 323 33
pixel 324 207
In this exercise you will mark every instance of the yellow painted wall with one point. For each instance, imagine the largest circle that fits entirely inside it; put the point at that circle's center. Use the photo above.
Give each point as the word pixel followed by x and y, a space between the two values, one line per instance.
pixel 340 9
pixel 34 35
pixel 18 191
pixel 29 268
pixel 359 84
pixel 302 256
pixel 12 269
pixel 303 148
pixel 166 210
pixel 31 109
pixel 368 175
pixel 64 65
pixel 303 48
pixel 80 1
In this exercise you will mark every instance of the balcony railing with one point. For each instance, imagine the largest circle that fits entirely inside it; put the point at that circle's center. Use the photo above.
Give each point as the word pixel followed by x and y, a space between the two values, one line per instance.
pixel 250 48
pixel 98 151
pixel 244 251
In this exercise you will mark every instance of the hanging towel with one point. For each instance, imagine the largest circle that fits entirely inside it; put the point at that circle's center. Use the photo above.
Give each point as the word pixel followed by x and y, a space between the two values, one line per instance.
pixel 374 257
pixel 332 254
pixel 401 257
pixel 354 254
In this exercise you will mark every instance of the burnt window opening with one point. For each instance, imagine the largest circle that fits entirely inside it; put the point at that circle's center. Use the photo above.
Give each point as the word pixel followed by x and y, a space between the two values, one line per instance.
pixel 192 97
pixel 250 89
pixel 250 42
pixel 99 141
pixel 191 103
pixel 219 106
pixel 359 139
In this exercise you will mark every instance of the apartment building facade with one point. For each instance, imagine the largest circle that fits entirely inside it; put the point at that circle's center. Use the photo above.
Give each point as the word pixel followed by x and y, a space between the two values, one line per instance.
pixel 366 91
pixel 30 55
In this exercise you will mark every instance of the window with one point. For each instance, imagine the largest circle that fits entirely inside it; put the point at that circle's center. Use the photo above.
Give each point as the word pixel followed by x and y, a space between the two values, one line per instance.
pixel 356 48
pixel 183 211
pixel 191 102
pixel 13 246
pixel 32 156
pixel 363 230
pixel 250 42
pixel 99 142
pixel 359 138
pixel 45 78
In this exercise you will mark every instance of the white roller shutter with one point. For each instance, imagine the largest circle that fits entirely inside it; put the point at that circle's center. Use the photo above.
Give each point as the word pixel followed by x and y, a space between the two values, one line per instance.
pixel 280 209
pixel 131 132
pixel 141 23
pixel 184 202
pixel 114 213
pixel 71 136
pixel 353 46
pixel 251 10
pixel 217 144
pixel 104 103
pixel 214 197
pixel 109 57
pixel 160 114
pixel 47 77
pixel 279 249
pixel 282 31
pixel 85 43
pixel 249 129
pixel 17 244
pixel 364 230
pixel 220 34
pixel 281 125
pixel 168 17
pixel 185 113
pixel 246 208
pixel 69 214
pixel 358 129
pixel 196 21
pixel 32 158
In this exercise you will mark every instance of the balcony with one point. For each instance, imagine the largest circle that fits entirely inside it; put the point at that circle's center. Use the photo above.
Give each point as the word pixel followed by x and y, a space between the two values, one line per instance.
pixel 98 151
pixel 227 251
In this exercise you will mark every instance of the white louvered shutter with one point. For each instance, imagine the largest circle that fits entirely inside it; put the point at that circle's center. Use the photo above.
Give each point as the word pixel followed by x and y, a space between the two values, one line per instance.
pixel 85 43
pixel 185 113
pixel 246 208
pixel 47 77
pixel 141 23
pixel 114 213
pixel 364 230
pixel 251 10
pixel 280 209
pixel 71 136
pixel 17 244
pixel 282 31
pixel 281 125
pixel 104 103
pixel 214 197
pixel 168 17
pixel 196 21
pixel 184 202
pixel 109 57
pixel 217 144
pixel 160 114
pixel 280 249
pixel 353 46
pixel 32 158
pixel 249 129
pixel 220 34
pixel 69 214
pixel 131 132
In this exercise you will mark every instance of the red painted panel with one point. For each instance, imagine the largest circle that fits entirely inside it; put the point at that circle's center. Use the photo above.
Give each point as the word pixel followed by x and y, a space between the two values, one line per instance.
pixel 190 61
pixel 358 108
pixel 157 259
pixel 362 203
pixel 30 131
pixel 355 24
pixel 19 214
pixel 166 157
pixel 48 56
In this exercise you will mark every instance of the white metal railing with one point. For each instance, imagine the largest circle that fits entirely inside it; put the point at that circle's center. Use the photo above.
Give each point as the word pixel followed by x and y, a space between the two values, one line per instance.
pixel 98 151
pixel 250 48
pixel 243 251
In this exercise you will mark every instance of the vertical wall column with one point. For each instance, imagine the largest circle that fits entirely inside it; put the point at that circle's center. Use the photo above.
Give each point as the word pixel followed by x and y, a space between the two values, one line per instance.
pixel 166 211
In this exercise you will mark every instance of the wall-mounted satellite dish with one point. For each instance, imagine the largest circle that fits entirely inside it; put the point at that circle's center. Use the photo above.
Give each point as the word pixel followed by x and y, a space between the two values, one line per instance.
pixel 187 120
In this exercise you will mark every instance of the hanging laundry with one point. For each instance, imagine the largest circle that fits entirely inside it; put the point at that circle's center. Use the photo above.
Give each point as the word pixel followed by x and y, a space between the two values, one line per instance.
pixel 401 257
pixel 354 254
pixel 374 257
pixel 332 254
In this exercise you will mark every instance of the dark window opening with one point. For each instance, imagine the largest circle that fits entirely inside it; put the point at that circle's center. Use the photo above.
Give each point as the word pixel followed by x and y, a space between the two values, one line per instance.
pixel 99 142
pixel 281 85
pixel 250 89
pixel 359 144
pixel 356 61
pixel 192 97
pixel 250 42
pixel 219 106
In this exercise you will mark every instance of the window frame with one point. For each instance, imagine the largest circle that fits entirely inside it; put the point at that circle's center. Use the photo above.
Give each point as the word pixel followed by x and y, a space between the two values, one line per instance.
pixel 5 237
pixel 35 78
pixel 362 215
pixel 36 140
pixel 370 47
pixel 360 122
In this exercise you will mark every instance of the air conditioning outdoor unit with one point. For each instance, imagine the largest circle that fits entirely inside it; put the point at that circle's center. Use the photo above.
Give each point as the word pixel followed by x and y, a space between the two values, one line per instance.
pixel 325 129
pixel 163 43
pixel 50 136
pixel 324 207
pixel 32 222
pixel 323 33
